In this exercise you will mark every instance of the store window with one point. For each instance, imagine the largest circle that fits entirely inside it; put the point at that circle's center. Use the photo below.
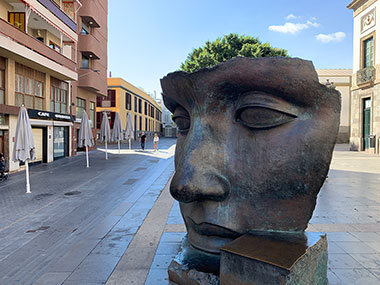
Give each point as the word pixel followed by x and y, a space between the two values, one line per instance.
pixel 81 106
pixel 29 85
pixel 92 114
pixel 85 62
pixel 368 52
pixel 17 19
pixel 58 96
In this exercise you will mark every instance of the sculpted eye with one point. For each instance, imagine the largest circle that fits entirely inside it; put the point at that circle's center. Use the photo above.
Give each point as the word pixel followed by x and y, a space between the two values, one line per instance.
pixel 258 117
pixel 182 119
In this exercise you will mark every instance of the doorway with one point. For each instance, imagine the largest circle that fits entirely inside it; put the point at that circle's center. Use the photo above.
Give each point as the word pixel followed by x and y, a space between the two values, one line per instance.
pixel 366 122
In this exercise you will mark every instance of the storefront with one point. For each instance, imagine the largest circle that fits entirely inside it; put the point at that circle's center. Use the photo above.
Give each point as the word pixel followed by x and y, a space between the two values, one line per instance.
pixel 51 133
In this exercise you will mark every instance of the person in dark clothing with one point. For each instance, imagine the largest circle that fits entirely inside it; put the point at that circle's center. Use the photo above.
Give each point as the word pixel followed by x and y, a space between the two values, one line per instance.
pixel 142 140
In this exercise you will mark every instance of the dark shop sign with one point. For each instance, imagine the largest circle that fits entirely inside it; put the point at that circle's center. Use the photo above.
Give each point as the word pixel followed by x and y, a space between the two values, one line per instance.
pixel 38 114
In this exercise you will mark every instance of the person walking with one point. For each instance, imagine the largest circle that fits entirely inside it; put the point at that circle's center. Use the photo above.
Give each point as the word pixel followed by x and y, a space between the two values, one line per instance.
pixel 142 140
pixel 155 141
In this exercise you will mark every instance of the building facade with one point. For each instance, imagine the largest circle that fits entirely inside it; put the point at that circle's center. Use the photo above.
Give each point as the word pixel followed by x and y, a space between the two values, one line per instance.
pixel 123 97
pixel 91 64
pixel 40 58
pixel 341 80
pixel 37 62
pixel 168 125
pixel 365 97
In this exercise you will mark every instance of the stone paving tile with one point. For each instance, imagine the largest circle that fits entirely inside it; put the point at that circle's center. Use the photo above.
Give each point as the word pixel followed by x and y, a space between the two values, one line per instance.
pixel 341 236
pixel 333 279
pixel 333 247
pixel 357 276
pixel 157 277
pixel 342 260
pixel 355 247
pixel 368 260
pixel 52 278
pixel 161 261
pixel 366 236
pixel 374 245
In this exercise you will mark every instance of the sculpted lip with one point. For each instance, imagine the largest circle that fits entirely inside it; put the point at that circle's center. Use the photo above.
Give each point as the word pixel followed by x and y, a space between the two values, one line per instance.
pixel 208 229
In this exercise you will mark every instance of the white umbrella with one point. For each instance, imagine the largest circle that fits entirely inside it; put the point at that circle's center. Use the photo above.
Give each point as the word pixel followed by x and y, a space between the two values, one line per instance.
pixel 85 135
pixel 24 148
pixel 129 129
pixel 105 131
pixel 117 130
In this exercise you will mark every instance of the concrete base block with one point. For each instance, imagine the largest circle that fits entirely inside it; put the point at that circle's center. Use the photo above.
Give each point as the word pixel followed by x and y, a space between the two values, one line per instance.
pixel 275 259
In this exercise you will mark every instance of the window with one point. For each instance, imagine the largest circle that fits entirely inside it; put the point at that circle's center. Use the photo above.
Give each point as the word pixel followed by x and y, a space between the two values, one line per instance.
pixel 29 85
pixel 146 124
pixel 140 111
pixel 81 106
pixel 128 101
pixel 85 62
pixel 135 103
pixel 85 30
pixel 55 46
pixel 17 19
pixel 111 96
pixel 140 123
pixel 92 114
pixel 58 96
pixel 368 52
pixel 2 86
pixel 146 108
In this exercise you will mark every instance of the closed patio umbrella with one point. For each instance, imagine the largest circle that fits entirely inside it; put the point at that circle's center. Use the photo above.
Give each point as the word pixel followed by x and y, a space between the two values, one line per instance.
pixel 24 148
pixel 117 130
pixel 105 131
pixel 85 135
pixel 129 129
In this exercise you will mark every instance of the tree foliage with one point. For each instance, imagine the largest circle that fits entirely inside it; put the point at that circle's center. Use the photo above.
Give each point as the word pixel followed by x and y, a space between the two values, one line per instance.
pixel 226 48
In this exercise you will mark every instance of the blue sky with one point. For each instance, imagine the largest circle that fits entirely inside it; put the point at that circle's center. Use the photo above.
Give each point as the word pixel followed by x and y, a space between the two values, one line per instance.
pixel 148 38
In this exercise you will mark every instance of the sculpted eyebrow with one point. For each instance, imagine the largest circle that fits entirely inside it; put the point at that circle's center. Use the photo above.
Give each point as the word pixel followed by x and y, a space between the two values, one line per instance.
pixel 232 91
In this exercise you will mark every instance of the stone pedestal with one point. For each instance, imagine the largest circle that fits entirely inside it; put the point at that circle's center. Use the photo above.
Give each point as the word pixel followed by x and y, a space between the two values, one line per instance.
pixel 275 259
pixel 194 267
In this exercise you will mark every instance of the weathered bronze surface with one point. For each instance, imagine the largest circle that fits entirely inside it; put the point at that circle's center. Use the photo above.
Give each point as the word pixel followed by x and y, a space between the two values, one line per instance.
pixel 255 142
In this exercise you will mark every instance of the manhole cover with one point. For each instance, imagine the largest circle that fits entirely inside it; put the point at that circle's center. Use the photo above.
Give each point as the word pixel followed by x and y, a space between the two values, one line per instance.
pixel 41 196
pixel 43 228
pixel 153 160
pixel 140 168
pixel 130 181
pixel 72 193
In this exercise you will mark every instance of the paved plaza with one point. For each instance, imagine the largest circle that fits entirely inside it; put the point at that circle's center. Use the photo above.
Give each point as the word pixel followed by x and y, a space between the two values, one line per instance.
pixel 116 222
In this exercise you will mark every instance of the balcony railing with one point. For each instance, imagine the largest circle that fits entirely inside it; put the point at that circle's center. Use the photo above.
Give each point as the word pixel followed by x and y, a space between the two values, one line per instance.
pixel 28 41
pixel 365 75
pixel 49 4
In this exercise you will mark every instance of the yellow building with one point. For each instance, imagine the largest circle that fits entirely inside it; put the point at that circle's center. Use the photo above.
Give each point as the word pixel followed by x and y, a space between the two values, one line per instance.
pixel 125 98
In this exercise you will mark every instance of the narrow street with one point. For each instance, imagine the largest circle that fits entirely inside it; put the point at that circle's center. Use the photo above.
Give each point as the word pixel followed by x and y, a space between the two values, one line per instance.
pixel 78 221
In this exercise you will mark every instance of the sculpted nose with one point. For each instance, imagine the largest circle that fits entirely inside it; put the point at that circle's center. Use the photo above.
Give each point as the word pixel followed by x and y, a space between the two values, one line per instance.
pixel 189 187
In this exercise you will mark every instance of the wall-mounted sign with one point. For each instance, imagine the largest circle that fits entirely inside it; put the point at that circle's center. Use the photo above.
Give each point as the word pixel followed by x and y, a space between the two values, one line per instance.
pixel 38 114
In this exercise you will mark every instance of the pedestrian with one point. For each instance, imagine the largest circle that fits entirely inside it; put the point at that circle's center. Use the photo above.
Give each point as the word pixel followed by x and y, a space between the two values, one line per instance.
pixel 155 141
pixel 142 140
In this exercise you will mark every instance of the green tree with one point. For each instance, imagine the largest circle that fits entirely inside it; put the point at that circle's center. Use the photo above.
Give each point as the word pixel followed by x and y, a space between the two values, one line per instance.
pixel 228 47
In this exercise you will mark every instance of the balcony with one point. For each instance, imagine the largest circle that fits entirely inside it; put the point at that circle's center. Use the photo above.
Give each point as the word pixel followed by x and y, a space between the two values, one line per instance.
pixel 366 76
pixel 52 7
pixel 35 45
pixel 91 14
pixel 93 80
pixel 89 44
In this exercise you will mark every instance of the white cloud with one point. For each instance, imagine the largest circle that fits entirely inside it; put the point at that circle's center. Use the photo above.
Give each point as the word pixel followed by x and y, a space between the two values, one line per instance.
pixel 291 17
pixel 313 24
pixel 292 28
pixel 334 37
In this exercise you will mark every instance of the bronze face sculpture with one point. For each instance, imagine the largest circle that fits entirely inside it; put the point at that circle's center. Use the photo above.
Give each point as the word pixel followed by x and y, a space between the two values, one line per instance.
pixel 254 146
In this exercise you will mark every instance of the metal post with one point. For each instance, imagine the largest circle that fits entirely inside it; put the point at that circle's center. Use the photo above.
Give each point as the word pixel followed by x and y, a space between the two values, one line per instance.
pixel 88 163
pixel 27 176
pixel 118 145
pixel 106 151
